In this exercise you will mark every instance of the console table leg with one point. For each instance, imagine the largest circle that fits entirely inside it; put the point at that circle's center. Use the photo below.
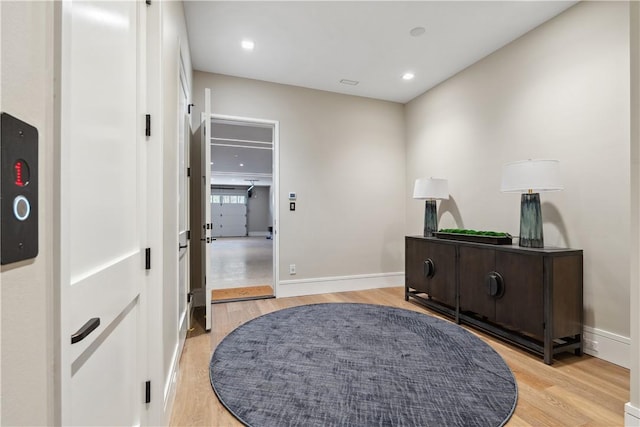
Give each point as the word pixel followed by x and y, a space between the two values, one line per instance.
pixel 578 351
pixel 406 293
pixel 548 347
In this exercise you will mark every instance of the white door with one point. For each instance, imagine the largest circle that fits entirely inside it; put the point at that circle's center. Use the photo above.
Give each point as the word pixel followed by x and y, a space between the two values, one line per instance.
pixel 102 212
pixel 184 131
pixel 206 238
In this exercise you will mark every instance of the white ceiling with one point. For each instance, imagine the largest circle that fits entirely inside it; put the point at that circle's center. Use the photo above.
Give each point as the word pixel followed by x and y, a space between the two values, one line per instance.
pixel 241 153
pixel 315 44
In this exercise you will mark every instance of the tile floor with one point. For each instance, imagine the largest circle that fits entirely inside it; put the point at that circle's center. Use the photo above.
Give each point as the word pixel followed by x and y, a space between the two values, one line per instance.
pixel 241 261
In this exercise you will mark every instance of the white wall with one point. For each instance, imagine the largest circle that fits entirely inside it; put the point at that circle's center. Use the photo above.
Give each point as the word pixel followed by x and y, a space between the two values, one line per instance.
pixel 344 156
pixel 560 92
pixel 27 337
pixel 258 213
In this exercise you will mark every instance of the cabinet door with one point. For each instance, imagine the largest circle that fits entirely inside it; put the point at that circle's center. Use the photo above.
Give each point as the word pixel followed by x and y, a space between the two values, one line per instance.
pixel 441 283
pixel 475 265
pixel 521 306
pixel 415 254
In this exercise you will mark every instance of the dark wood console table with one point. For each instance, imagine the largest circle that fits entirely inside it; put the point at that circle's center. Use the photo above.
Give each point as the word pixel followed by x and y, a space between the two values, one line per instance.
pixel 529 297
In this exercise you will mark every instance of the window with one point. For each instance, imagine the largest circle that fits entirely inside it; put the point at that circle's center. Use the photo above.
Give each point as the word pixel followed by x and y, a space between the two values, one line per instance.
pixel 228 199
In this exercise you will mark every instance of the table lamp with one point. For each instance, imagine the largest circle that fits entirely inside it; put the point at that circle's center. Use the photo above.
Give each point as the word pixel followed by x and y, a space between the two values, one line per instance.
pixel 530 177
pixel 430 189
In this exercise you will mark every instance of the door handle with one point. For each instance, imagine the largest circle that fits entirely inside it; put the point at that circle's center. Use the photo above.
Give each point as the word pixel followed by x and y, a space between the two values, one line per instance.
pixel 429 268
pixel 85 330
pixel 495 284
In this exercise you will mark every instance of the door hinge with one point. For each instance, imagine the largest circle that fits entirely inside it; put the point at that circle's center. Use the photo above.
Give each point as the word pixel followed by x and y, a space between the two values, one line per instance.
pixel 147 259
pixel 148 2
pixel 189 296
pixel 147 392
pixel 188 171
pixel 188 234
pixel 189 108
pixel 147 129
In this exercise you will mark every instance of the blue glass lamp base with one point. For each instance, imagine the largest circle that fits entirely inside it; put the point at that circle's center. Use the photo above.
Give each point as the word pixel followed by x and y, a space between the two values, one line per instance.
pixel 430 218
pixel 531 221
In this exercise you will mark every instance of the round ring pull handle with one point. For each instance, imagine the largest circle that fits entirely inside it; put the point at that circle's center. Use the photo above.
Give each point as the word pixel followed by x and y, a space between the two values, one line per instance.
pixel 495 284
pixel 429 268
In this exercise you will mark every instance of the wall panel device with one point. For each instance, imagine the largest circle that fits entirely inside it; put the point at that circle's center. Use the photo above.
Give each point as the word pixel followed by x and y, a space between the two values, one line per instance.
pixel 18 190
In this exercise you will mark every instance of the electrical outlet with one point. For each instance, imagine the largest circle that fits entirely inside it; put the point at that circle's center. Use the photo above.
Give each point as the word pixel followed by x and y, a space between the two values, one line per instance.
pixel 292 269
pixel 590 345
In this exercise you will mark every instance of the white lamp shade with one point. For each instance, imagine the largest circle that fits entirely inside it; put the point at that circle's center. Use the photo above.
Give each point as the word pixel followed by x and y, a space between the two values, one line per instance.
pixel 431 188
pixel 534 175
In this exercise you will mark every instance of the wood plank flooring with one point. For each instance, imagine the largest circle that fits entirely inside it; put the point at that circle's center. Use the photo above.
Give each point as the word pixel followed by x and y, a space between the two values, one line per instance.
pixel 574 391
pixel 220 295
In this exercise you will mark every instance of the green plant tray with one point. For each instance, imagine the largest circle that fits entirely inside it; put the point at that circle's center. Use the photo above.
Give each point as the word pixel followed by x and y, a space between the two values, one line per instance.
pixel 475 238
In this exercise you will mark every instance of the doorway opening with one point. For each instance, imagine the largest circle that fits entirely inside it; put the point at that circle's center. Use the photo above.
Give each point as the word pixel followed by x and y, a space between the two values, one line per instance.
pixel 243 209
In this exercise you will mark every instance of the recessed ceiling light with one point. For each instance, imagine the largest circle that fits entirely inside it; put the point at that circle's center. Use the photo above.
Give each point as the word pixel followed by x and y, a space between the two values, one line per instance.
pixel 241 164
pixel 417 31
pixel 248 44
pixel 349 82
pixel 408 76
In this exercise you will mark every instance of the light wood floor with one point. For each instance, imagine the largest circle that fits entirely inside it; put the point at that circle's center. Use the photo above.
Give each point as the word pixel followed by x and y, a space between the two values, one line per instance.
pixel 574 391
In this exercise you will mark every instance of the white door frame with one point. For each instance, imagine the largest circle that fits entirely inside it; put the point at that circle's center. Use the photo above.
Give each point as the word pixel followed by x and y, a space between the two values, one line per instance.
pixel 275 174
pixel 276 196
pixel 154 339
pixel 205 205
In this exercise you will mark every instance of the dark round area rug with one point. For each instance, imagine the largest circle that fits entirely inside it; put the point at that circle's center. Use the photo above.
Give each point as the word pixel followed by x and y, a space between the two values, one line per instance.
pixel 360 365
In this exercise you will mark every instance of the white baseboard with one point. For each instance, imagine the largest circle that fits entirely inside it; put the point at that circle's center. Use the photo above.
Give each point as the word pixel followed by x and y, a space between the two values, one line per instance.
pixel 631 415
pixel 611 347
pixel 258 233
pixel 171 383
pixel 324 285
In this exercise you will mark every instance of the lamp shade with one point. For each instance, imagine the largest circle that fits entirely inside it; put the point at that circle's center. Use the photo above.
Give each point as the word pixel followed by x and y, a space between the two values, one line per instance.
pixel 534 175
pixel 431 188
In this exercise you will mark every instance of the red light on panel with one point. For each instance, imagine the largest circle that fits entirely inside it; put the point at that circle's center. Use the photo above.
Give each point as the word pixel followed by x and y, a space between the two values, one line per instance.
pixel 21 173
